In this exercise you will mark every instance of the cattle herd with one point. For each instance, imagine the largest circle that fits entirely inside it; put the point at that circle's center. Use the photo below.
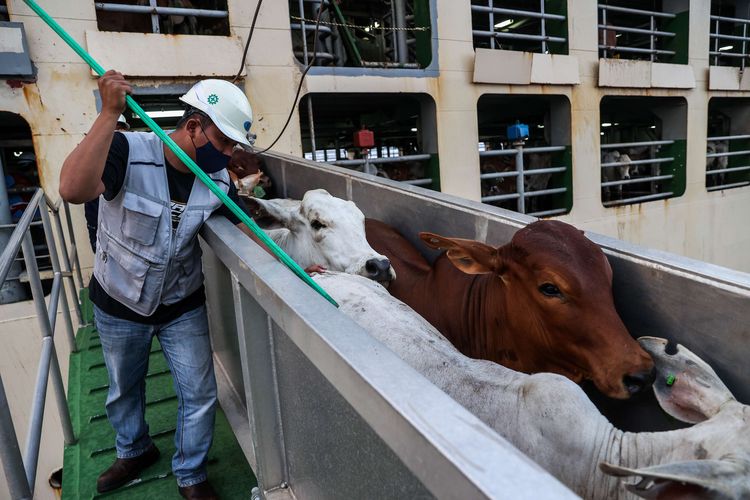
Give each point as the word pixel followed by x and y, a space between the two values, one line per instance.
pixel 508 333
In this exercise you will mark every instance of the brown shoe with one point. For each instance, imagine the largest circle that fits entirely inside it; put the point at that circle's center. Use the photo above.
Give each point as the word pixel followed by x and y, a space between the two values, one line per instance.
pixel 125 470
pixel 200 491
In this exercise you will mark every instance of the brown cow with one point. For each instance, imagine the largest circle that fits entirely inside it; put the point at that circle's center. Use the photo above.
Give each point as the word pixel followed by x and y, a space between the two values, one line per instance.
pixel 541 303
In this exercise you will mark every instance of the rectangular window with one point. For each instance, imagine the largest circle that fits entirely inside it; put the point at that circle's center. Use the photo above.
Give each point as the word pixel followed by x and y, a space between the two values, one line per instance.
pixel 728 143
pixel 539 26
pixel 365 34
pixel 729 34
pixel 173 17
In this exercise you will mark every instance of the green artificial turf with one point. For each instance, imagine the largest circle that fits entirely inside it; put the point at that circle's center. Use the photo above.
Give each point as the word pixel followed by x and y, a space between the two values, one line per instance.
pixel 94 451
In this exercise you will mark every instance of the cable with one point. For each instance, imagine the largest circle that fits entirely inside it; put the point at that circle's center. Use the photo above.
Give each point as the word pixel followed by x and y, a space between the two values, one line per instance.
pixel 247 44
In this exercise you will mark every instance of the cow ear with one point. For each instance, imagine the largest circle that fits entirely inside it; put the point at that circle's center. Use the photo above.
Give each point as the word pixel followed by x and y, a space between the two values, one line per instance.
pixel 694 479
pixel 471 257
pixel 686 387
pixel 281 211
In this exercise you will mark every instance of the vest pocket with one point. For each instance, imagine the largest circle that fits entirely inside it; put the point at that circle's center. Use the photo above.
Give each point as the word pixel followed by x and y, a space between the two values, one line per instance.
pixel 141 217
pixel 124 272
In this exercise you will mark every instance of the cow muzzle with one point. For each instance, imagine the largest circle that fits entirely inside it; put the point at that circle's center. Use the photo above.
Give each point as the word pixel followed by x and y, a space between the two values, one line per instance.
pixel 380 270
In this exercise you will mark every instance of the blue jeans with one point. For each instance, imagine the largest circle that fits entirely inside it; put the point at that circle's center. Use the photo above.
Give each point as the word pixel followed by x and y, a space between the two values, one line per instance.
pixel 187 349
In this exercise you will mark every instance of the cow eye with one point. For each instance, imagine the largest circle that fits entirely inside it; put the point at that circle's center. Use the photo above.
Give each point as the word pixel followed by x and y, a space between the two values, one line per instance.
pixel 316 224
pixel 550 290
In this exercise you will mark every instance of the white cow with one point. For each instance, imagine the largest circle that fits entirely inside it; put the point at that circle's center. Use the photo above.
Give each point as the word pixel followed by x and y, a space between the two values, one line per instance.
pixel 718 162
pixel 551 420
pixel 325 230
pixel 618 173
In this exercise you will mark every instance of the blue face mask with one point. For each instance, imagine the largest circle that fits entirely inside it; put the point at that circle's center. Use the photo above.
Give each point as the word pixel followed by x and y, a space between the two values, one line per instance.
pixel 210 159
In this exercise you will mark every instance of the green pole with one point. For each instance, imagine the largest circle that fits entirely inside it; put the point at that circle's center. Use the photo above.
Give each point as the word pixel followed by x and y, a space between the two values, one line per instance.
pixel 200 174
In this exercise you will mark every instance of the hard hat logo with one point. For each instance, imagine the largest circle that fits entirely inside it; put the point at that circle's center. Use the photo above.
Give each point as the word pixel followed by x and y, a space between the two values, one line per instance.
pixel 247 126
pixel 213 99
pixel 225 104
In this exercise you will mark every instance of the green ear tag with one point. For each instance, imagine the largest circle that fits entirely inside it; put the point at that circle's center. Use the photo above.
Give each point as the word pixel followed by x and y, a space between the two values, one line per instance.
pixel 670 379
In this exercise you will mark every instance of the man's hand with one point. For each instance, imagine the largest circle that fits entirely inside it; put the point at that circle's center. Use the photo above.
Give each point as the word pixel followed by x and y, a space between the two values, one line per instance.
pixel 113 87
pixel 315 268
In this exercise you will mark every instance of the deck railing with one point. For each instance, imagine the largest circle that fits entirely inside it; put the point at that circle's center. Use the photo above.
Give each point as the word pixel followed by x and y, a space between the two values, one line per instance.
pixel 717 170
pixel 155 11
pixel 20 470
pixel 720 51
pixel 494 29
pixel 652 32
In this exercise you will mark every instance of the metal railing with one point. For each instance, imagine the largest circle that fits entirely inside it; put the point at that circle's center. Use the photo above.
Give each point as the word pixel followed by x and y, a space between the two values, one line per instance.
pixel 155 11
pixel 20 470
pixel 368 165
pixel 726 52
pixel 522 176
pixel 652 32
pixel 717 163
pixel 493 31
pixel 655 179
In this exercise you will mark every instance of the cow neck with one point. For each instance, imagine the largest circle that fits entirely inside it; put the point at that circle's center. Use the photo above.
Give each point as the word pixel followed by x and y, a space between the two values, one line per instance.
pixel 486 307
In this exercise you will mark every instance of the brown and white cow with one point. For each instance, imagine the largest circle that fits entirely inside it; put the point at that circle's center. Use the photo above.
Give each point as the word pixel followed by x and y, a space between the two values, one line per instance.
pixel 541 303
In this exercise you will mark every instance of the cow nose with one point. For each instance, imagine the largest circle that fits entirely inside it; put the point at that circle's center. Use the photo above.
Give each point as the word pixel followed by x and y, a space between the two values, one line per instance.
pixel 639 382
pixel 378 269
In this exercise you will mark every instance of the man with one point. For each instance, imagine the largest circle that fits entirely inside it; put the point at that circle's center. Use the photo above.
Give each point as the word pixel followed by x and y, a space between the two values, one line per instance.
pixel 147 272
pixel 91 208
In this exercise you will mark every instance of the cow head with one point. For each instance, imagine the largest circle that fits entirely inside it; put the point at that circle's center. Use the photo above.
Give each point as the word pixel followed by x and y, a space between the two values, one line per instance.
pixel 322 229
pixel 556 296
pixel 715 462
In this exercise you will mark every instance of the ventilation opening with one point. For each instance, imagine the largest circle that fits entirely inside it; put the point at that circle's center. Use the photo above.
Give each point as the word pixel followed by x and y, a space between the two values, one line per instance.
pixel 173 17
pixel 728 143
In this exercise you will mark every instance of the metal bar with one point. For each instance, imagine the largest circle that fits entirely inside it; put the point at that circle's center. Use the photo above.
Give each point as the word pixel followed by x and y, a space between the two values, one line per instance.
pixel 54 297
pixel 547 213
pixel 68 269
pixel 639 199
pixel 542 23
pixel 628 10
pixel 640 31
pixel 511 152
pixel 519 36
pixel 652 42
pixel 14 243
pixel 491 18
pixel 34 434
pixel 418 182
pixel 500 197
pixel 392 159
pixel 730 19
pixel 388 64
pixel 728 153
pixel 637 50
pixel 637 162
pixel 321 29
pixel 154 17
pixel 727 170
pixel 637 181
pixel 716 44
pixel 727 138
pixel 54 301
pixel 521 201
pixel 545 192
pixel 318 55
pixel 155 10
pixel 10 452
pixel 720 36
pixel 399 21
pixel 635 144
pixel 729 54
pixel 604 33
pixel 515 12
pixel 728 186
pixel 498 175
pixel 46 330
pixel 304 34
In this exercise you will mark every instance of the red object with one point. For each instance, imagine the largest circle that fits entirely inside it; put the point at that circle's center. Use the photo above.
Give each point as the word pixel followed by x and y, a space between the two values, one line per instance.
pixel 364 138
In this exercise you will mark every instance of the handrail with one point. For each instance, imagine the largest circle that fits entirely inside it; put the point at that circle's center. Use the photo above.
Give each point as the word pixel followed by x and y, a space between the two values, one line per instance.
pixel 21 471
pixel 652 32
pixel 492 32
pixel 715 36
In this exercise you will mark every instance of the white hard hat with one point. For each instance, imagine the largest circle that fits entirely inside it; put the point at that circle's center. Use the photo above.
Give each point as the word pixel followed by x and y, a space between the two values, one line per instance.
pixel 121 119
pixel 226 106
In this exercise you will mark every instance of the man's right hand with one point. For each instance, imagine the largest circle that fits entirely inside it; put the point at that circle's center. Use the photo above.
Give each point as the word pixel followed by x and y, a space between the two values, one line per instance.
pixel 113 87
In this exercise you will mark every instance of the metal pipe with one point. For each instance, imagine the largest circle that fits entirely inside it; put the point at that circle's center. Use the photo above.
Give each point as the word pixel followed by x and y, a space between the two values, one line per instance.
pixel 729 54
pixel 652 42
pixel 156 11
pixel 727 138
pixel 498 175
pixel 34 434
pixel 418 182
pixel 628 10
pixel 55 296
pixel 728 153
pixel 543 27
pixel 154 17
pixel 305 55
pixel 311 122
pixel 547 213
pixel 743 38
pixel 638 199
pixel 637 50
pixel 491 19
pixel 727 170
pixel 67 269
pixel 399 21
pixel 10 452
pixel 520 13
pixel 500 197
pixel 519 36
pixel 321 29
pixel 73 245
pixel 521 201
pixel 728 186
pixel 393 159
pixel 640 31
pixel 730 19
pixel 545 192
pixel 511 152
pixel 635 144
pixel 637 162
pixel 44 326
pixel 638 180
pixel 54 301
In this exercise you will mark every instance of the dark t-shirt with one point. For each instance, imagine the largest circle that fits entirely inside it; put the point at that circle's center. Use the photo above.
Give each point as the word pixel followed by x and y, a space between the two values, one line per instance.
pixel 180 186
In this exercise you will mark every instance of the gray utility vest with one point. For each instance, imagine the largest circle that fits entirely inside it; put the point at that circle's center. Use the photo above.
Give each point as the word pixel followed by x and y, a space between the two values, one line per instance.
pixel 140 261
